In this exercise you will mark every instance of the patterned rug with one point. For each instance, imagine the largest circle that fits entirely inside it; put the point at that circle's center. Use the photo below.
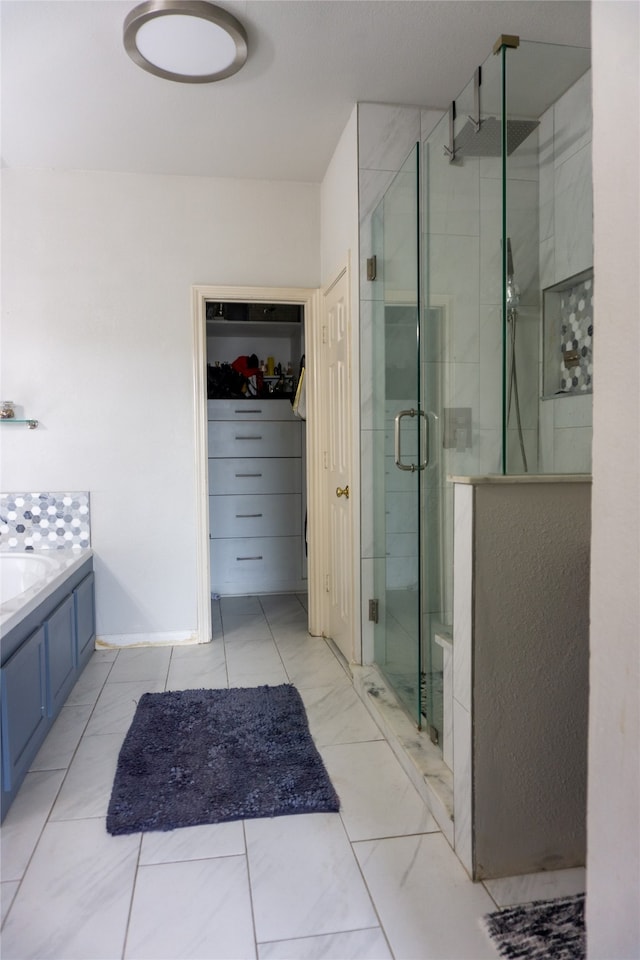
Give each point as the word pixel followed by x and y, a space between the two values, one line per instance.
pixel 208 756
pixel 544 930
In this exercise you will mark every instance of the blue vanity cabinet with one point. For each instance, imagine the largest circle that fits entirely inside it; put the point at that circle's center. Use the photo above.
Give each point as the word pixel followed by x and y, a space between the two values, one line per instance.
pixel 61 654
pixel 23 694
pixel 85 616
pixel 42 657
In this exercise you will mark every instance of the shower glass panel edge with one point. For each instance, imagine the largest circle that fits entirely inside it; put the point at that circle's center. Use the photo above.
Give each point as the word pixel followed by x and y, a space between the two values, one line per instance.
pixel 398 441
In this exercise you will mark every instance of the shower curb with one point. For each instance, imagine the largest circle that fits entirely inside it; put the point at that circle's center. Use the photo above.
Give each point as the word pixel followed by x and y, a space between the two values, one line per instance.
pixel 418 757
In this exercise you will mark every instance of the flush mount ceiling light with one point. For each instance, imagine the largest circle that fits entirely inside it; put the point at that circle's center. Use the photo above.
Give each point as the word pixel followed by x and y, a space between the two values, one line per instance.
pixel 191 41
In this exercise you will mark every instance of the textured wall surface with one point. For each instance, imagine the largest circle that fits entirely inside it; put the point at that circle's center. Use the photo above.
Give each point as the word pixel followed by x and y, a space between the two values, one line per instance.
pixel 530 676
pixel 613 865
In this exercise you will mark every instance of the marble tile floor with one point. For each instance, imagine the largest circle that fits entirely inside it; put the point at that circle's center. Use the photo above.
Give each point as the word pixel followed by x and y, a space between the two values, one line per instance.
pixel 378 880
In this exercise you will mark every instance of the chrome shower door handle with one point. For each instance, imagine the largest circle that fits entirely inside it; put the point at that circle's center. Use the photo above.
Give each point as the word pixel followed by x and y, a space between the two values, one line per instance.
pixel 425 462
pixel 397 452
pixel 397 430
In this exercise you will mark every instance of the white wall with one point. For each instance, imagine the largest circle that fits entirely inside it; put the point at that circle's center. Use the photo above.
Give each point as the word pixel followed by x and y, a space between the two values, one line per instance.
pixel 613 834
pixel 339 208
pixel 97 344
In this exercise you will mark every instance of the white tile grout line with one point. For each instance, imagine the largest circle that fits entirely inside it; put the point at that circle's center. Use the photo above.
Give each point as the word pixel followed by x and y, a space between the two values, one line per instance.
pixel 131 898
pixel 47 819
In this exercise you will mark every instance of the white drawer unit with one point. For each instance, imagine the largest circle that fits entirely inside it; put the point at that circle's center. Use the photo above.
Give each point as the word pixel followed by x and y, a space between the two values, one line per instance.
pixel 255 515
pixel 256 497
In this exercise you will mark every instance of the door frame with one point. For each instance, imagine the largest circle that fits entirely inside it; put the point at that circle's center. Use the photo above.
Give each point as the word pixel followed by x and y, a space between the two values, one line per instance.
pixel 309 299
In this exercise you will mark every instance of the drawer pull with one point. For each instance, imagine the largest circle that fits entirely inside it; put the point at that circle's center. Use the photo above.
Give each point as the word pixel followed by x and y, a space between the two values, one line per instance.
pixel 249 558
pixel 248 438
pixel 248 474
pixel 240 516
pixel 244 410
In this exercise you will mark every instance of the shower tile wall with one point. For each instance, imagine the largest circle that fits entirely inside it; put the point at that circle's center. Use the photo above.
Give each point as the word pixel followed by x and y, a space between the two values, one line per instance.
pixel 463 355
pixel 44 521
pixel 566 248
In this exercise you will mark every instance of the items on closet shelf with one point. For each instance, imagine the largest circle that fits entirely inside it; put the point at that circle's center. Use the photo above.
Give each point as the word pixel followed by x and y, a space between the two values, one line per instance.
pixel 300 399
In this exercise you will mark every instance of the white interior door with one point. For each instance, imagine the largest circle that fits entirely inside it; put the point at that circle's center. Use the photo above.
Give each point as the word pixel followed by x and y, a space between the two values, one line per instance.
pixel 340 506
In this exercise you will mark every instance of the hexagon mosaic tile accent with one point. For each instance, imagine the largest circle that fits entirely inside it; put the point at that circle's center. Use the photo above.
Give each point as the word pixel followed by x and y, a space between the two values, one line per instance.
pixel 576 305
pixel 44 521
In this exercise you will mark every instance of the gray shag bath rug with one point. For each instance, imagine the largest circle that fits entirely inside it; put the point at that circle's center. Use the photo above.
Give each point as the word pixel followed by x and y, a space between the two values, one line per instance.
pixel 543 930
pixel 208 756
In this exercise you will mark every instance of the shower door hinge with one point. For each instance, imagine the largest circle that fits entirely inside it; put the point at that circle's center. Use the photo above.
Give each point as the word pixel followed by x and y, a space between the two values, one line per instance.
pixel 372 267
pixel 373 611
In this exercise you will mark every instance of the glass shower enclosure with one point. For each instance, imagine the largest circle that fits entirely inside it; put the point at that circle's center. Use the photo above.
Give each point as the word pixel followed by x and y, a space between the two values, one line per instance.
pixel 482 336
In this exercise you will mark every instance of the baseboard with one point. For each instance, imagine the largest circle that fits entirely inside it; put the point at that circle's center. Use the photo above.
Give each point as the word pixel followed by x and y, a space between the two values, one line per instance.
pixel 175 638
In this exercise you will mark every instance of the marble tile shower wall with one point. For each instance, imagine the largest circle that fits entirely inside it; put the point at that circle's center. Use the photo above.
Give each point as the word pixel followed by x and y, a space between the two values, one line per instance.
pixel 463 353
pixel 44 521
pixel 465 250
pixel 566 248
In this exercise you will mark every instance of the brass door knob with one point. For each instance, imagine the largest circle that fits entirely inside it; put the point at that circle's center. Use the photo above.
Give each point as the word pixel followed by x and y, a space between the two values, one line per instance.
pixel 340 492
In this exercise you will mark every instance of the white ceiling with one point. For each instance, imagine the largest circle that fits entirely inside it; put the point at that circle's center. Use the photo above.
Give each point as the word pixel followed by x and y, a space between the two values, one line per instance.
pixel 72 98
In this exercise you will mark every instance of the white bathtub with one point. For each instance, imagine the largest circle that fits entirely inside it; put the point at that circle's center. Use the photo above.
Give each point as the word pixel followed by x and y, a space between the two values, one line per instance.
pixel 26 579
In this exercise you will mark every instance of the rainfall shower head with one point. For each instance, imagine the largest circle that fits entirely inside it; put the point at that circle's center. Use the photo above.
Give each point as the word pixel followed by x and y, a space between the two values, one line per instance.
pixel 487 141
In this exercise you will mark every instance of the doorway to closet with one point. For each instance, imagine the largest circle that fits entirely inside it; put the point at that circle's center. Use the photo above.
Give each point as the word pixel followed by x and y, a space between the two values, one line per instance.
pixel 253 456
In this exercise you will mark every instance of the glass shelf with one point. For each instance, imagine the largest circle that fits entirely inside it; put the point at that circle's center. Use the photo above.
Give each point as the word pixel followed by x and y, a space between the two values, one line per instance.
pixel 32 424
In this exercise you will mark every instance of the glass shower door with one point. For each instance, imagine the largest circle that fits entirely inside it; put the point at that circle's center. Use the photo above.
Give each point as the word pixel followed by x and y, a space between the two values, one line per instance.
pixel 401 453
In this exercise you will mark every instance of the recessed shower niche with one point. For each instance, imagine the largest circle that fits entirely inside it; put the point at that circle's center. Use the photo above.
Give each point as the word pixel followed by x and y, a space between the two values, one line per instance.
pixel 568 337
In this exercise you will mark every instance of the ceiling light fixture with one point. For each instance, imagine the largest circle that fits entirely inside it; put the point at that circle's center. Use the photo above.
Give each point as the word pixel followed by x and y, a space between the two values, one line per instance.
pixel 191 41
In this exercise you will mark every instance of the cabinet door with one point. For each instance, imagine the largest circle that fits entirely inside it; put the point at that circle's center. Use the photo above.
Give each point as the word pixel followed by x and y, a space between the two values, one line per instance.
pixel 83 598
pixel 61 654
pixel 24 719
